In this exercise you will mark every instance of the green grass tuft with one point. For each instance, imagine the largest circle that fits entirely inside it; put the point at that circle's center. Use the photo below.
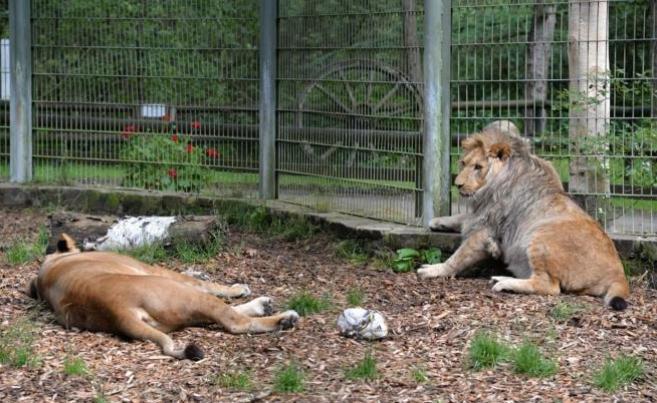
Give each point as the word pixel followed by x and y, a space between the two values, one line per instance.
pixel 352 250
pixel 75 367
pixel 289 379
pixel 563 311
pixel 419 375
pixel 355 297
pixel 486 351
pixel 364 369
pixel 153 253
pixel 619 372
pixel 21 252
pixel 191 253
pixel 16 344
pixel 305 303
pixel 236 380
pixel 527 359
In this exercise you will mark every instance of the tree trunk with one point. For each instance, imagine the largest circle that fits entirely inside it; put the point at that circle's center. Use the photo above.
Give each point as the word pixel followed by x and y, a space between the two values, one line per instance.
pixel 589 115
pixel 538 62
pixel 411 43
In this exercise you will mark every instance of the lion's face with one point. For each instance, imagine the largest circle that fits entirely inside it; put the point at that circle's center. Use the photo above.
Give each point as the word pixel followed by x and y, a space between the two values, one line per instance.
pixel 479 164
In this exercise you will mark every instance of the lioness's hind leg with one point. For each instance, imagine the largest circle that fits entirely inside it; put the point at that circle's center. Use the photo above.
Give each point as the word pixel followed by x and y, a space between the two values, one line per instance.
pixel 536 284
pixel 132 326
pixel 235 322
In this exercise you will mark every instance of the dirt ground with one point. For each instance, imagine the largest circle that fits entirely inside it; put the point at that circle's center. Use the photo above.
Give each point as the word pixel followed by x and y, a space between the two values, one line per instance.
pixel 431 326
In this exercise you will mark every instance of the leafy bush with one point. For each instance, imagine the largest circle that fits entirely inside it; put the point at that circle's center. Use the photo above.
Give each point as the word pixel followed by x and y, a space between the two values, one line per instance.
pixel 408 258
pixel 164 162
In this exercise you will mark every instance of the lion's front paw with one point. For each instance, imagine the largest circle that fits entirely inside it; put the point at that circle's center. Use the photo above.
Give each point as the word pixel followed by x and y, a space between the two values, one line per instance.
pixel 288 320
pixel 434 270
pixel 442 224
pixel 239 290
pixel 502 283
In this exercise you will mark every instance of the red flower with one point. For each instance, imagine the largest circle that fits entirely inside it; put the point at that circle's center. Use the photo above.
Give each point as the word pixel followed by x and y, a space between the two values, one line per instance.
pixel 172 173
pixel 196 124
pixel 128 131
pixel 212 153
pixel 175 138
pixel 189 148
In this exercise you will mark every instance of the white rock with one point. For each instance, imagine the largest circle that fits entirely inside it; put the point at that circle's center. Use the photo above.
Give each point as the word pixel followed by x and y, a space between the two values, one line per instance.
pixel 132 232
pixel 362 323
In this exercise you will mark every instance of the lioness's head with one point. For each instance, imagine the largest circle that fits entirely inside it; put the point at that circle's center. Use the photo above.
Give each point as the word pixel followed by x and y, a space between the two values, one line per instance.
pixel 65 245
pixel 485 154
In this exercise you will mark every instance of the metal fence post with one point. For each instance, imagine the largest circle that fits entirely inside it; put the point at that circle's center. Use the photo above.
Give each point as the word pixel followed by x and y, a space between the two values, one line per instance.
pixel 20 56
pixel 268 44
pixel 436 143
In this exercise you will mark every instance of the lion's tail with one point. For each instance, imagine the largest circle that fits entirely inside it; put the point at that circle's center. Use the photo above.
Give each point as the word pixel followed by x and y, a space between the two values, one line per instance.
pixel 617 294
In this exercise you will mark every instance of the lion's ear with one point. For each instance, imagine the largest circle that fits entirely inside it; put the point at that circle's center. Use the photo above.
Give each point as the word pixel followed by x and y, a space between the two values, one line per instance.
pixel 502 151
pixel 471 143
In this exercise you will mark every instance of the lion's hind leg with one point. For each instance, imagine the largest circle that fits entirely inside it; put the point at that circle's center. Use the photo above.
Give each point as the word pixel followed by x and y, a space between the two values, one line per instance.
pixel 538 283
pixel 131 324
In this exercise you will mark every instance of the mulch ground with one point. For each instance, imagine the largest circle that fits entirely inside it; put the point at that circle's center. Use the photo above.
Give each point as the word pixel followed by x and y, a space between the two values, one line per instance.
pixel 431 326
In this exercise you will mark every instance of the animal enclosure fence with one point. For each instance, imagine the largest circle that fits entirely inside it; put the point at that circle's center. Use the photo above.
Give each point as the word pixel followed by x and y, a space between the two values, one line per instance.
pixel 345 115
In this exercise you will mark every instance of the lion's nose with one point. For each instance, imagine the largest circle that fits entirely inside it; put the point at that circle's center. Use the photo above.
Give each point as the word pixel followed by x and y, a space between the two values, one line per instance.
pixel 459 185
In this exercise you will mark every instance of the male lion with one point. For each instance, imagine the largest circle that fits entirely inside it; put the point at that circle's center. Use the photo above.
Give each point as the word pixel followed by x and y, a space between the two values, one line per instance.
pixel 108 292
pixel 520 213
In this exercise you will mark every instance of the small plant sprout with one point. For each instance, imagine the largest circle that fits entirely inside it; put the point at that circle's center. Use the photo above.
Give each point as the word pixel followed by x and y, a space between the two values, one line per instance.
pixel 305 303
pixel 16 344
pixel 486 351
pixel 355 297
pixel 364 369
pixel 352 251
pixel 527 359
pixel 563 311
pixel 619 372
pixel 75 366
pixel 234 380
pixel 289 379
pixel 419 375
pixel 408 259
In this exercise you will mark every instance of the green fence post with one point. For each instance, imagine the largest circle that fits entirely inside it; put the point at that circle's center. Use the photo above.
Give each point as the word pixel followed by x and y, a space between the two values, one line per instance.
pixel 268 44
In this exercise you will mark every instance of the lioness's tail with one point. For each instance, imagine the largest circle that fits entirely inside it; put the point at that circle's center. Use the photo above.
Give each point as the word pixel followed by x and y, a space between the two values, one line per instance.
pixel 617 294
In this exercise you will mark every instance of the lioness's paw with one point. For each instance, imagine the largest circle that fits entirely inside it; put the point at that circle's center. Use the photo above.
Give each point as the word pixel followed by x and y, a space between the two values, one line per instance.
pixel 433 270
pixel 502 283
pixel 290 318
pixel 239 290
pixel 265 306
pixel 440 224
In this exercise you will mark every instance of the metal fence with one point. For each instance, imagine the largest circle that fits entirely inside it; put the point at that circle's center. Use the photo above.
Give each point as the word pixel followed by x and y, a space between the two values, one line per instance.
pixel 172 96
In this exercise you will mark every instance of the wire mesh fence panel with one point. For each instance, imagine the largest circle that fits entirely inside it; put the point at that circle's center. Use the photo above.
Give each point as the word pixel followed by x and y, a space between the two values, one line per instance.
pixel 579 78
pixel 350 106
pixel 4 90
pixel 148 95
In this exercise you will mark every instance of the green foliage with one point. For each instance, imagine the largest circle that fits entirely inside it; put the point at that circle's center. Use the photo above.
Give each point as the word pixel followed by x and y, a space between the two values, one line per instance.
pixel 527 359
pixel 16 344
pixel 563 311
pixel 419 375
pixel 157 161
pixel 352 250
pixel 289 379
pixel 486 351
pixel 192 253
pixel 21 252
pixel 260 220
pixel 355 297
pixel 152 253
pixel 305 303
pixel 619 372
pixel 75 367
pixel 408 258
pixel 235 380
pixel 364 369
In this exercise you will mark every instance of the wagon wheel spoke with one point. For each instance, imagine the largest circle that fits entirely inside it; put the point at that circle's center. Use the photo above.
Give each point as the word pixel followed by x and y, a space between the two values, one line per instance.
pixel 334 98
pixel 385 98
pixel 350 90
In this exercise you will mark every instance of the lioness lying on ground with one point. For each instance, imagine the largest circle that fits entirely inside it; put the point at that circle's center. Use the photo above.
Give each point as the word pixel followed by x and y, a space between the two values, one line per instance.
pixel 108 292
pixel 520 213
